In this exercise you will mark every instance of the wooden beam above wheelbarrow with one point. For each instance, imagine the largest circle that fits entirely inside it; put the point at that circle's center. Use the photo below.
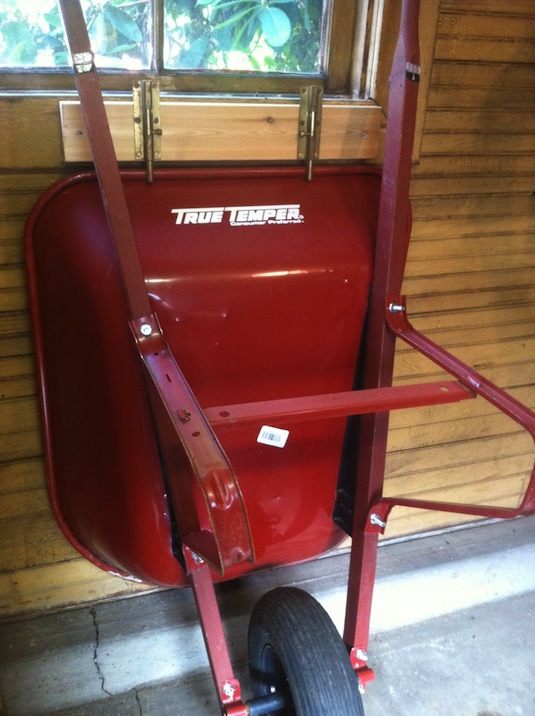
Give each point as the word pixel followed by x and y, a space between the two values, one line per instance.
pixel 233 131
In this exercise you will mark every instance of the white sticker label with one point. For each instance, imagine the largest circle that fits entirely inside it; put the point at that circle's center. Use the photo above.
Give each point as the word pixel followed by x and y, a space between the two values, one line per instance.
pixel 272 436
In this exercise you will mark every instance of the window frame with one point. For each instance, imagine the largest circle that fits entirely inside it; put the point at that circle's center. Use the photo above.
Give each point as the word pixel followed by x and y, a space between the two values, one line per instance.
pixel 348 34
pixel 23 96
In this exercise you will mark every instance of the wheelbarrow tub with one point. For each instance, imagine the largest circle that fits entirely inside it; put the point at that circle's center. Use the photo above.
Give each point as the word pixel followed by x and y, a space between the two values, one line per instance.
pixel 261 290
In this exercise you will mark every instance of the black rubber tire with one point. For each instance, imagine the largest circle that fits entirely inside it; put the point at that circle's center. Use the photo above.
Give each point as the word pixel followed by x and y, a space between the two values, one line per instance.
pixel 293 645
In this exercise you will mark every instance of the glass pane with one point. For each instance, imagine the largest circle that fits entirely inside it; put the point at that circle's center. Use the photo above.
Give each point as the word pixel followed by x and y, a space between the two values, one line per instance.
pixel 245 35
pixel 31 33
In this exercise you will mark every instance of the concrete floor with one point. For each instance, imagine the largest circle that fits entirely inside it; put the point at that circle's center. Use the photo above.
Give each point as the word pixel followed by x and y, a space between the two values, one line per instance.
pixel 452 635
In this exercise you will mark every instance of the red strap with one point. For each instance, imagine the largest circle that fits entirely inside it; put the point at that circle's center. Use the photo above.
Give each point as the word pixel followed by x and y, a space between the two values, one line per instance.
pixel 105 160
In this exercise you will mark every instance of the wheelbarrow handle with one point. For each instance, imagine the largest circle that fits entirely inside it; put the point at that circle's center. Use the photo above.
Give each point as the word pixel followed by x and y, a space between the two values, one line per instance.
pixel 210 509
pixel 104 157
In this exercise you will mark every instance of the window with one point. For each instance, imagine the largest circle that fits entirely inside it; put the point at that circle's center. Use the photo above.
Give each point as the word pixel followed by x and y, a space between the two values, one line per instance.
pixel 282 36
pixel 252 35
pixel 194 45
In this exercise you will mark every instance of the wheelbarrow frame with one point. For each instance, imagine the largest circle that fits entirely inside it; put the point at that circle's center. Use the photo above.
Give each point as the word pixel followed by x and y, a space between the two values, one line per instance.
pixel 212 515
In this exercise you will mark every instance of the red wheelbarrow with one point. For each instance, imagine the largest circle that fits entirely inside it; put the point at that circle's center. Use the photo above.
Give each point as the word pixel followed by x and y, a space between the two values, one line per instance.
pixel 198 340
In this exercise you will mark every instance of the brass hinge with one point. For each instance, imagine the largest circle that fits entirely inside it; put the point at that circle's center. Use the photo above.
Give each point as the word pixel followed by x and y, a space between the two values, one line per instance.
pixel 309 130
pixel 147 129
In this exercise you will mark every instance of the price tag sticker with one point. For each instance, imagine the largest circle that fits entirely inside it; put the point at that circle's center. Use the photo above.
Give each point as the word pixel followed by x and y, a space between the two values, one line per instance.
pixel 272 436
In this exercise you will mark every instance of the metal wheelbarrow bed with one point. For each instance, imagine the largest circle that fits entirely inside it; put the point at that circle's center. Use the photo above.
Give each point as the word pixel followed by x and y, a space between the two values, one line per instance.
pixel 261 292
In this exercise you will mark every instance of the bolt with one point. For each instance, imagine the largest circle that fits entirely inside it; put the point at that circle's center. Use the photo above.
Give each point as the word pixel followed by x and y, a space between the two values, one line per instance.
pixel 396 307
pixel 376 520
pixel 198 560
pixel 184 415
pixel 229 689
pixel 362 655
pixel 145 329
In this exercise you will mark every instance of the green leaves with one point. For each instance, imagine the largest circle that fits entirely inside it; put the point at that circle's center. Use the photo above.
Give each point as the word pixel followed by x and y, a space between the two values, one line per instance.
pixel 20 48
pixel 213 35
pixel 276 26
pixel 122 23
pixel 31 34
pixel 116 32
pixel 192 57
pixel 257 35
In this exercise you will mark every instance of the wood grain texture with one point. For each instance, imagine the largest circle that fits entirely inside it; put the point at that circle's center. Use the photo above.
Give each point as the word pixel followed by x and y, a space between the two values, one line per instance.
pixel 471 271
pixel 231 131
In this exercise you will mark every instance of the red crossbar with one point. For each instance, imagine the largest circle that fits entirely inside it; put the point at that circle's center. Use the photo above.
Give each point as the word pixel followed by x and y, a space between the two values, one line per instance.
pixel 333 405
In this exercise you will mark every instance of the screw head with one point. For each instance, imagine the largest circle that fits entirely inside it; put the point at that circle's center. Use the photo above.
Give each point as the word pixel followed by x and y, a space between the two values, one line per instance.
pixel 229 689
pixel 396 308
pixel 362 655
pixel 145 329
pixel 376 520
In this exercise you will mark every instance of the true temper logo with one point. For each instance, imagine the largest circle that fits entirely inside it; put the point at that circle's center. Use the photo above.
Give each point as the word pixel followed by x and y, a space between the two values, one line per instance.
pixel 241 215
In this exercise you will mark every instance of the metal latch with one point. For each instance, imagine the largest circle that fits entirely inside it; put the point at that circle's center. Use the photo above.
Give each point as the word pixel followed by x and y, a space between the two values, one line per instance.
pixel 309 130
pixel 147 129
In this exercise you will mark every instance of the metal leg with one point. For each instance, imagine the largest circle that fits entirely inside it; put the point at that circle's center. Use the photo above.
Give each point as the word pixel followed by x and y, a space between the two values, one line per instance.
pixel 393 233
pixel 365 535
pixel 227 686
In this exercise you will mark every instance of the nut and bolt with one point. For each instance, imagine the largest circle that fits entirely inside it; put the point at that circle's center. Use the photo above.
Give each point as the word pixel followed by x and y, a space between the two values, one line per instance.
pixel 396 307
pixel 229 689
pixel 377 521
pixel 145 329
pixel 361 655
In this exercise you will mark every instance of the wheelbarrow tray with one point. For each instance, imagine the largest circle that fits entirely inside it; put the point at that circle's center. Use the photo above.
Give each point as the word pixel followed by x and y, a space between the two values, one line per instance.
pixel 260 281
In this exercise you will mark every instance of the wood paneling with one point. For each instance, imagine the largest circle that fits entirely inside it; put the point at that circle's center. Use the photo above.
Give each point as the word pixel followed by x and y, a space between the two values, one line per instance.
pixel 470 284
pixel 471 272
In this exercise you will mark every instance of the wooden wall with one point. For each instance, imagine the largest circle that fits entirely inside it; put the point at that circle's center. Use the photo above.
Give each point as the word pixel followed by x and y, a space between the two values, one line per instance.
pixel 470 281
pixel 471 272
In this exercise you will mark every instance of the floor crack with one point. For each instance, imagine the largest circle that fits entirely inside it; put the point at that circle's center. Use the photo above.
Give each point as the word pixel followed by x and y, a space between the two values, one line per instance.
pixel 93 612
pixel 138 701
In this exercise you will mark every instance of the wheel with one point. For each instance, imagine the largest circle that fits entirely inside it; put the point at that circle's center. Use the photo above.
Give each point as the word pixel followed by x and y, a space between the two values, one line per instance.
pixel 294 646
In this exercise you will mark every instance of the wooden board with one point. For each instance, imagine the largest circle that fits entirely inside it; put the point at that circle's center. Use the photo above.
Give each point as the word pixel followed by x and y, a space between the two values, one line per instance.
pixel 231 131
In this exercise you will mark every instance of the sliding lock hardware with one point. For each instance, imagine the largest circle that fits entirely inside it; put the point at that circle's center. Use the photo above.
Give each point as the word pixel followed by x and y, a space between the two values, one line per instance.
pixel 309 130
pixel 147 129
